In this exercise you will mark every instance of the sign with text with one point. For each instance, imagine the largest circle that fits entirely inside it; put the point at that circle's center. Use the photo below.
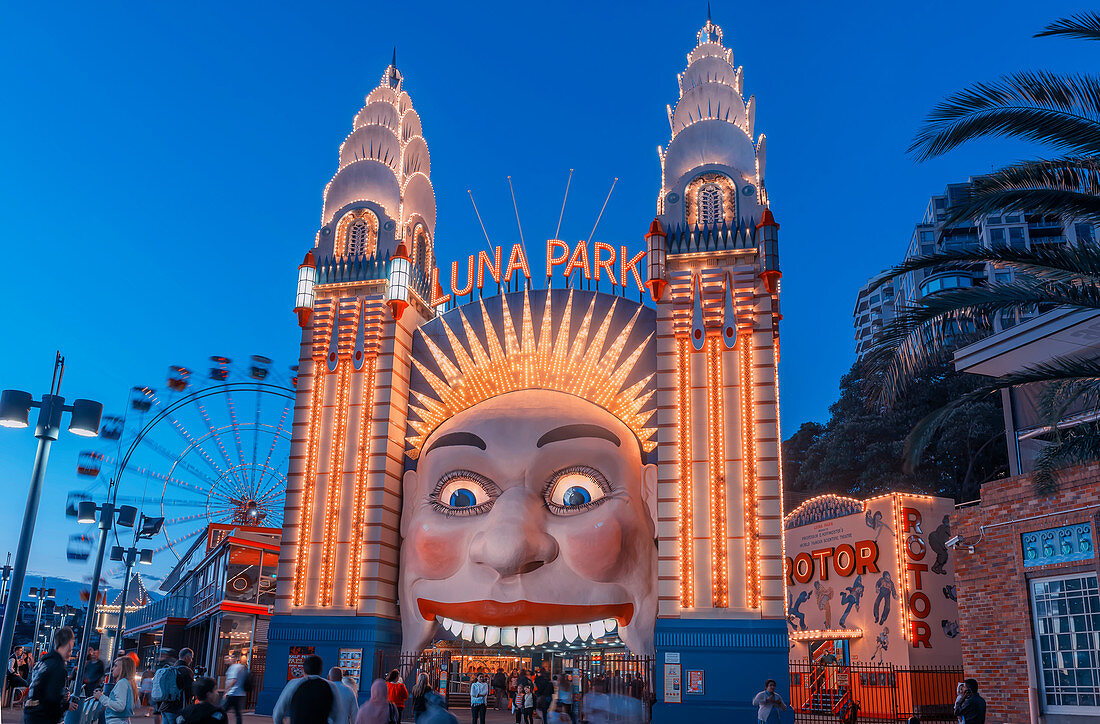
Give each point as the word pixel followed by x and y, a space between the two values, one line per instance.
pixel 294 661
pixel 694 682
pixel 672 684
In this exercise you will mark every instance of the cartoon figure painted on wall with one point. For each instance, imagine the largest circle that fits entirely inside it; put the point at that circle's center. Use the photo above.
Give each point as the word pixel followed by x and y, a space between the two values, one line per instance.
pixel 824 595
pixel 882 644
pixel 937 541
pixel 950 628
pixel 876 523
pixel 851 597
pixel 530 514
pixel 886 590
pixel 794 609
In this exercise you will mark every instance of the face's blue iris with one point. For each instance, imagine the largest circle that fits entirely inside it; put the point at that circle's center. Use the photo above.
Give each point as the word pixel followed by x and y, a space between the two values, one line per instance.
pixel 463 498
pixel 576 495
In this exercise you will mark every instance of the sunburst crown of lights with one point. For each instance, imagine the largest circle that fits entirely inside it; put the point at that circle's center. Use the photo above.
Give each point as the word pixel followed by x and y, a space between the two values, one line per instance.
pixel 561 359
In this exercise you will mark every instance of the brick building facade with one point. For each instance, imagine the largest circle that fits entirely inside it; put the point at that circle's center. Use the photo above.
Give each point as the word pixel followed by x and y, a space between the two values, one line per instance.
pixel 1028 606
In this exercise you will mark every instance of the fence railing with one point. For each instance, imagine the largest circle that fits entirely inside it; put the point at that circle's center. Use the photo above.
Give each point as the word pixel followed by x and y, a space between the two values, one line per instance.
pixel 883 692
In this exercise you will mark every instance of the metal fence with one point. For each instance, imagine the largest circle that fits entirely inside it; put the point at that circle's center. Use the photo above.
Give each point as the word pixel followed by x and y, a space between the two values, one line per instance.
pixel 872 692
pixel 615 686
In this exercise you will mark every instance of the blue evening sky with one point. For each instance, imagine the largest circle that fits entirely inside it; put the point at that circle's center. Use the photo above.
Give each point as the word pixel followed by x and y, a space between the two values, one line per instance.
pixel 161 164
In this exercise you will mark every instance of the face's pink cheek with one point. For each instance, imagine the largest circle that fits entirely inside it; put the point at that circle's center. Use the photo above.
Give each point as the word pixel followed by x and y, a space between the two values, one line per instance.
pixel 592 544
pixel 440 548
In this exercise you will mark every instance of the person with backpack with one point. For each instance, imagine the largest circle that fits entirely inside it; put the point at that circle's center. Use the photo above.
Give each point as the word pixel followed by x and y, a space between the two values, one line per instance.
pixel 310 699
pixel 237 677
pixel 172 686
pixel 378 709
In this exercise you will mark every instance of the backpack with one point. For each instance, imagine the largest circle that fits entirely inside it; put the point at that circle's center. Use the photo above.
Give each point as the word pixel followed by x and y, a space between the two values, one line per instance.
pixel 166 687
pixel 246 685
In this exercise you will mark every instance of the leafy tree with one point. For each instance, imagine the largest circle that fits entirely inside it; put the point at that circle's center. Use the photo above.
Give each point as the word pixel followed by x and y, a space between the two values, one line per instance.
pixel 1061 111
pixel 860 451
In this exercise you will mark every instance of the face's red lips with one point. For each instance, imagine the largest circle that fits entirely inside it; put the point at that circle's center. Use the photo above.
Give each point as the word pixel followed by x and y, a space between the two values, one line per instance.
pixel 525 613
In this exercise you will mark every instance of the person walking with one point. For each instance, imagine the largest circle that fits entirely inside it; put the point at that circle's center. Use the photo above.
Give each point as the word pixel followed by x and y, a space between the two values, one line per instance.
pixel 565 697
pixel 396 692
pixel 378 709
pixel 47 698
pixel 94 671
pixel 171 698
pixel 206 709
pixel 418 696
pixel 499 683
pixel 768 704
pixel 479 699
pixel 544 692
pixel 436 713
pixel 118 706
pixel 236 674
pixel 969 704
pixel 309 699
pixel 348 697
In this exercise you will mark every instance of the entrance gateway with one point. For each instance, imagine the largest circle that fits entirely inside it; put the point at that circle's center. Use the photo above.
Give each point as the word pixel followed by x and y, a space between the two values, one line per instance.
pixel 577 462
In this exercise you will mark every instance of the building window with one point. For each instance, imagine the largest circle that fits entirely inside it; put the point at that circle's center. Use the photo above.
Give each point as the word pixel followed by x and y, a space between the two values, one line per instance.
pixel 357 238
pixel 928 236
pixel 357 233
pixel 997 237
pixel 1084 232
pixel 1066 613
pixel 710 205
pixel 1016 237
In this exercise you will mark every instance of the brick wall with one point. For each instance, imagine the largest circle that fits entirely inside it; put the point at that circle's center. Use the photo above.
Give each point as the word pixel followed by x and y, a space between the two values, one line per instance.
pixel 994 607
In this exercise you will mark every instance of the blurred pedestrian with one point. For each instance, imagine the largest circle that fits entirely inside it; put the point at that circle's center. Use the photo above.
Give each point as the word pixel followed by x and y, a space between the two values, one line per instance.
pixel 348 699
pixel 396 692
pixel 378 709
pixel 206 709
pixel 236 674
pixel 768 704
pixel 479 699
pixel 310 699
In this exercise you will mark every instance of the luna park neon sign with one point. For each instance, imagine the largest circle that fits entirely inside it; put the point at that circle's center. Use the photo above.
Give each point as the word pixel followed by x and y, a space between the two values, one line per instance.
pixel 618 267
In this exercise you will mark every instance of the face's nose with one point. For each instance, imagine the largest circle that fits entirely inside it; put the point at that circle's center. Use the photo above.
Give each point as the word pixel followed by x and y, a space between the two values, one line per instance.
pixel 514 540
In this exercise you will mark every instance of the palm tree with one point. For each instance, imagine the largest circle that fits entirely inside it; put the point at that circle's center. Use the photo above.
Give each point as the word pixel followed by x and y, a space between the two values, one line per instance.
pixel 1062 112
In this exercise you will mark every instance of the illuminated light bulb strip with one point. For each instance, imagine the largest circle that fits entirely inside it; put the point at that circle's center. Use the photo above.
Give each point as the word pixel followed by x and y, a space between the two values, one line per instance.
pixel 683 411
pixel 335 472
pixel 779 437
pixel 718 529
pixel 309 475
pixel 903 574
pixel 366 423
pixel 748 466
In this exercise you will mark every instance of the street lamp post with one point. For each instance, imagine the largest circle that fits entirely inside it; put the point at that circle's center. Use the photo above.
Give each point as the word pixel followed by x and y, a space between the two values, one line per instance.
pixel 86 513
pixel 41 594
pixel 15 407
pixel 148 528
pixel 5 574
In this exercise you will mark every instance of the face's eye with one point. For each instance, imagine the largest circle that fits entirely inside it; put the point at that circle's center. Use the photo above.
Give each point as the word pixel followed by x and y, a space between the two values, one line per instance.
pixel 575 489
pixel 462 492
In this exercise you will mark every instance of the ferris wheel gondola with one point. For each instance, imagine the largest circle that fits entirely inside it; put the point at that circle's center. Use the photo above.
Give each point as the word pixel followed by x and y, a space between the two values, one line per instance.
pixel 205 449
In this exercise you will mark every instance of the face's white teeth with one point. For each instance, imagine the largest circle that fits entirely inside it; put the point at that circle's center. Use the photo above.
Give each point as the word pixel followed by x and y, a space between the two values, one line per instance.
pixel 479 634
pixel 584 630
pixel 541 636
pixel 455 628
pixel 468 631
pixel 570 632
pixel 598 629
pixel 443 621
pixel 508 636
pixel 525 636
pixel 610 624
pixel 556 633
pixel 492 635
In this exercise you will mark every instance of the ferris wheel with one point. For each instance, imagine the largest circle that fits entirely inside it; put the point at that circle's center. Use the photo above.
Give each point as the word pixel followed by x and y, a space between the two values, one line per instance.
pixel 208 446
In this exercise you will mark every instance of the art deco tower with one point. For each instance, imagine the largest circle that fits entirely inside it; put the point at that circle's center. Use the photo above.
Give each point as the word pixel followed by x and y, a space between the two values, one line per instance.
pixel 339 558
pixel 713 270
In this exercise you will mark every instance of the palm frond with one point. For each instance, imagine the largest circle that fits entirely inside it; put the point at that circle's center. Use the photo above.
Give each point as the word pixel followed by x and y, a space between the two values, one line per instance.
pixel 1055 202
pixel 1071 173
pixel 1054 262
pixel 1062 370
pixel 1077 446
pixel 1040 106
pixel 1082 26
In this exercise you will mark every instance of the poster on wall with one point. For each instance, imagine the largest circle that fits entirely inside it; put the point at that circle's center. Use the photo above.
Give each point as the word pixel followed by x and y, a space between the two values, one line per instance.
pixel 351 662
pixel 294 661
pixel 694 682
pixel 672 684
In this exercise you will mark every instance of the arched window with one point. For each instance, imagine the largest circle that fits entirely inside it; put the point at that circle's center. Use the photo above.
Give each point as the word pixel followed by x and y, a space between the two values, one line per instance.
pixel 421 254
pixel 358 238
pixel 357 234
pixel 710 205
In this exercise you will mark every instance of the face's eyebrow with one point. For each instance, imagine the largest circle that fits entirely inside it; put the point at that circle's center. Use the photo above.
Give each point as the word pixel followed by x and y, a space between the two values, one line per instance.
pixel 568 432
pixel 457 438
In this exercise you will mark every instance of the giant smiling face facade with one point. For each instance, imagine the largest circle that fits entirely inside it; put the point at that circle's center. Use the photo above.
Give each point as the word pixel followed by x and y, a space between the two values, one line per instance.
pixel 532 509
pixel 530 514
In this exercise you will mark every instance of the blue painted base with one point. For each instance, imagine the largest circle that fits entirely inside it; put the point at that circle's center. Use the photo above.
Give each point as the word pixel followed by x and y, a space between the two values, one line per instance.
pixel 327 634
pixel 736 658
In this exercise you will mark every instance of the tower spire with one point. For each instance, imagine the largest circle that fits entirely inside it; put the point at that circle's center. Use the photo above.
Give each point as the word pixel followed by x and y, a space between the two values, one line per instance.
pixel 394 61
pixel 708 12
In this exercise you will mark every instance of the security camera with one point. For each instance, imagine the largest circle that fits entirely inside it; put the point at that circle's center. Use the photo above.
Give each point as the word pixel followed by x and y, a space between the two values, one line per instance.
pixel 954 541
